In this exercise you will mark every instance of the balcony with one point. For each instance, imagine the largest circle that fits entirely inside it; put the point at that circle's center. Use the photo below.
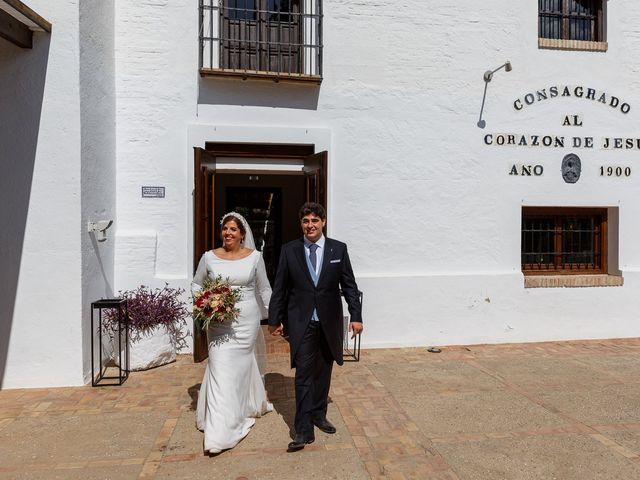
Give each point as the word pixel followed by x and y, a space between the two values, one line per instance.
pixel 278 40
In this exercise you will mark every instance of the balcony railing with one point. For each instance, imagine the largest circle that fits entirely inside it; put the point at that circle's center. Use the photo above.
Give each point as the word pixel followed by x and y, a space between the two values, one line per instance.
pixel 275 39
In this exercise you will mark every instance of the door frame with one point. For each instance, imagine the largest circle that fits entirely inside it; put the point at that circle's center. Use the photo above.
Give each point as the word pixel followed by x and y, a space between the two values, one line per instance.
pixel 314 169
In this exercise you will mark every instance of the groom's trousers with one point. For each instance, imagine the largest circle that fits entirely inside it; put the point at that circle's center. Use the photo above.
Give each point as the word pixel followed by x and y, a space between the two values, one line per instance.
pixel 314 363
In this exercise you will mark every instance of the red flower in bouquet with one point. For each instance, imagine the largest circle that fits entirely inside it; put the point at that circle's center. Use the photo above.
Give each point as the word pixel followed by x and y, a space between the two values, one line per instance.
pixel 215 302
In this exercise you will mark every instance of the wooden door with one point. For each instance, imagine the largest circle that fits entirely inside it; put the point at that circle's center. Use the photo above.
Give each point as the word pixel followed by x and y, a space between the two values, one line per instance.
pixel 261 35
pixel 315 172
pixel 204 228
pixel 283 35
pixel 239 40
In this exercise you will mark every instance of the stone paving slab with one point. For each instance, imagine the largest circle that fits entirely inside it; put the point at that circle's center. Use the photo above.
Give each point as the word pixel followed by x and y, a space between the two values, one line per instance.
pixel 596 405
pixel 623 368
pixel 82 438
pixel 565 410
pixel 81 472
pixel 547 372
pixel 565 457
pixel 477 412
pixel 277 465
pixel 433 375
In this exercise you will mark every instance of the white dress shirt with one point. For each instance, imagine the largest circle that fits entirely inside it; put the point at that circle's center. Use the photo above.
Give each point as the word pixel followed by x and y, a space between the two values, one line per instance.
pixel 319 255
pixel 319 251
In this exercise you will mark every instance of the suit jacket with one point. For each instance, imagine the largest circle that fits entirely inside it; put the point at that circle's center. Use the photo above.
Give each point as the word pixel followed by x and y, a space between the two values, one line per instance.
pixel 295 296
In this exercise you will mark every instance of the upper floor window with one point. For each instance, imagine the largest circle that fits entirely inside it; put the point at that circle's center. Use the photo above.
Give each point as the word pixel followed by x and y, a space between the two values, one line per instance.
pixel 572 24
pixel 279 39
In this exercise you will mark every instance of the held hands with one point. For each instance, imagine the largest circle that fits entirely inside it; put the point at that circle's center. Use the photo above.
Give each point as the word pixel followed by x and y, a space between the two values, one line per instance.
pixel 355 328
pixel 276 331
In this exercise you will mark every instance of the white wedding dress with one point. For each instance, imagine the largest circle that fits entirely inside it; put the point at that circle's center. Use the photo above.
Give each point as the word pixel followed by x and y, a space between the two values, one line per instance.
pixel 232 392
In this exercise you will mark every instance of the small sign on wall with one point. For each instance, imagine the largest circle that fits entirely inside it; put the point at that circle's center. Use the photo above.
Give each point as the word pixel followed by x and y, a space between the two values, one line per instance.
pixel 152 192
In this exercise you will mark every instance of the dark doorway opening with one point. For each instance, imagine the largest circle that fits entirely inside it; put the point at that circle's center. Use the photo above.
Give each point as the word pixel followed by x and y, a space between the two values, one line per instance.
pixel 269 203
pixel 262 207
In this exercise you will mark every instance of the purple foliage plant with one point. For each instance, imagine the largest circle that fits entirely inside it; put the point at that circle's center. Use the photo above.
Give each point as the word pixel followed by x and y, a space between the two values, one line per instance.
pixel 149 308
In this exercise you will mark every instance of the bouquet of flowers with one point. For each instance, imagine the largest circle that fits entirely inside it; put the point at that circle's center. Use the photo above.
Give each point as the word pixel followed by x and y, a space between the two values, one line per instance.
pixel 215 302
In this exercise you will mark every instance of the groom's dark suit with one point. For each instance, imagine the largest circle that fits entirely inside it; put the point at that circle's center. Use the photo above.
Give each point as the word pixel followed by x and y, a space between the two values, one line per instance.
pixel 314 344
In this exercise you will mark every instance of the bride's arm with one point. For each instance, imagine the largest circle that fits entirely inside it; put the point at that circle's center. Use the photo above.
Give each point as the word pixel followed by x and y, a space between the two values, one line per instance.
pixel 263 289
pixel 200 276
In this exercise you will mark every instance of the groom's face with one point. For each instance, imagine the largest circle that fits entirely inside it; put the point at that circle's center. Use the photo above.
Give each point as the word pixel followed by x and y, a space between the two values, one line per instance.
pixel 312 226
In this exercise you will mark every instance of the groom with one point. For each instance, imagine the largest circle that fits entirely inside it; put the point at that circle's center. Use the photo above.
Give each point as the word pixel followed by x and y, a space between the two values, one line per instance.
pixel 306 295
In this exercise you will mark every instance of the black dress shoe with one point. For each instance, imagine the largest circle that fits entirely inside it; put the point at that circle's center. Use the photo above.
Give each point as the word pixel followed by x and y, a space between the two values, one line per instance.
pixel 300 441
pixel 324 425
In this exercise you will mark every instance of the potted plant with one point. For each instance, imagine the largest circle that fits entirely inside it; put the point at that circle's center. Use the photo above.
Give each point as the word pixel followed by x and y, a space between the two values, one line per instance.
pixel 156 320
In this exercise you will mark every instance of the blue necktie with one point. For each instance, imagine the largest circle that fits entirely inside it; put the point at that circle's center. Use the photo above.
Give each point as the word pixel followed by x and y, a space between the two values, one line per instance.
pixel 313 261
pixel 312 255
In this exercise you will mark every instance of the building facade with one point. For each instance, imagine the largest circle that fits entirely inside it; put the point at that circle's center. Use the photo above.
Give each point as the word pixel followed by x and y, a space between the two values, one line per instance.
pixel 477 157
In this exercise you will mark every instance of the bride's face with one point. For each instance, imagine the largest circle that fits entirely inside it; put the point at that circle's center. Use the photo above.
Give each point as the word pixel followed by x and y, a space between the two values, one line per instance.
pixel 231 235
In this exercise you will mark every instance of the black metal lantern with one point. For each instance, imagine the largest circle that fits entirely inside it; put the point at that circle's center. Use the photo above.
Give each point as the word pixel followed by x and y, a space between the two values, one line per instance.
pixel 101 379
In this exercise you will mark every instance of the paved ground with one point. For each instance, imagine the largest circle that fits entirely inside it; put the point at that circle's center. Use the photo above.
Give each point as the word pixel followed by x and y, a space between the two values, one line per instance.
pixel 564 411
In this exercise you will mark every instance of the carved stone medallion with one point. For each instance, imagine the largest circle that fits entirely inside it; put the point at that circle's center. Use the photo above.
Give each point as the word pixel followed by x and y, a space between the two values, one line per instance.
pixel 571 168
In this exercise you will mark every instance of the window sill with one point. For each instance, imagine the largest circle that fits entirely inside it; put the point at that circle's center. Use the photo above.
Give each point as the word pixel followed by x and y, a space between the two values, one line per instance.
pixel 555 44
pixel 261 75
pixel 572 281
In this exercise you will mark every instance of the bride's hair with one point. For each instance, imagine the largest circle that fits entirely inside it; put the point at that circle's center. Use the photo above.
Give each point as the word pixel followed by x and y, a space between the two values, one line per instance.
pixel 236 220
pixel 247 236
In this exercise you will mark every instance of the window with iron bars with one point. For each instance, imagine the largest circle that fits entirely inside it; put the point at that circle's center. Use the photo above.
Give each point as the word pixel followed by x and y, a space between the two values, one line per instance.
pixel 581 20
pixel 572 24
pixel 278 39
pixel 564 240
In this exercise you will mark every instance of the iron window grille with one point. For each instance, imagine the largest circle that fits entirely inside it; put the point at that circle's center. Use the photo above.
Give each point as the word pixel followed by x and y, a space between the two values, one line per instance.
pixel 564 241
pixel 278 39
pixel 581 20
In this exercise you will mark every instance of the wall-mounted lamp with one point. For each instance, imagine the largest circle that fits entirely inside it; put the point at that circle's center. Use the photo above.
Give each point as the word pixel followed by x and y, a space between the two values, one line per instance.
pixel 99 229
pixel 488 75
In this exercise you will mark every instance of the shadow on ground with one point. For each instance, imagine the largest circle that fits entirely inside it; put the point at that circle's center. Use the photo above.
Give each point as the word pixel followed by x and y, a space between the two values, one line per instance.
pixel 280 391
pixel 193 393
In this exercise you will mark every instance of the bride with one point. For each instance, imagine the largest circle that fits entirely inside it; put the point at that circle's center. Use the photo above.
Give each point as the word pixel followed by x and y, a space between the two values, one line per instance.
pixel 232 392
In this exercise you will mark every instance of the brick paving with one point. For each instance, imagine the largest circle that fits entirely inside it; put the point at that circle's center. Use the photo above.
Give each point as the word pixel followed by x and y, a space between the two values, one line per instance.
pixel 566 410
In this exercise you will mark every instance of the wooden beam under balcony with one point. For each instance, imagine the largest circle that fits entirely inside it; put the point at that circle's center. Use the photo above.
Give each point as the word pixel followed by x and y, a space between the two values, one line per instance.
pixel 18 22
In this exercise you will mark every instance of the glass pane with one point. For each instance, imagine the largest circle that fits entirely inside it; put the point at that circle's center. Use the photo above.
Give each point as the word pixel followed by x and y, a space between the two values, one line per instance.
pixel 581 29
pixel 550 27
pixel 538 243
pixel 582 7
pixel 582 18
pixel 579 242
pixel 283 10
pixel 554 6
pixel 241 9
pixel 550 19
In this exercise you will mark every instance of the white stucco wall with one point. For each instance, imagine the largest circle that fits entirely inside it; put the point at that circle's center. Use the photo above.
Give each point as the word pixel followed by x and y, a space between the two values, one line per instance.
pixel 156 97
pixel 98 172
pixel 156 89
pixel 41 205
pixel 431 216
